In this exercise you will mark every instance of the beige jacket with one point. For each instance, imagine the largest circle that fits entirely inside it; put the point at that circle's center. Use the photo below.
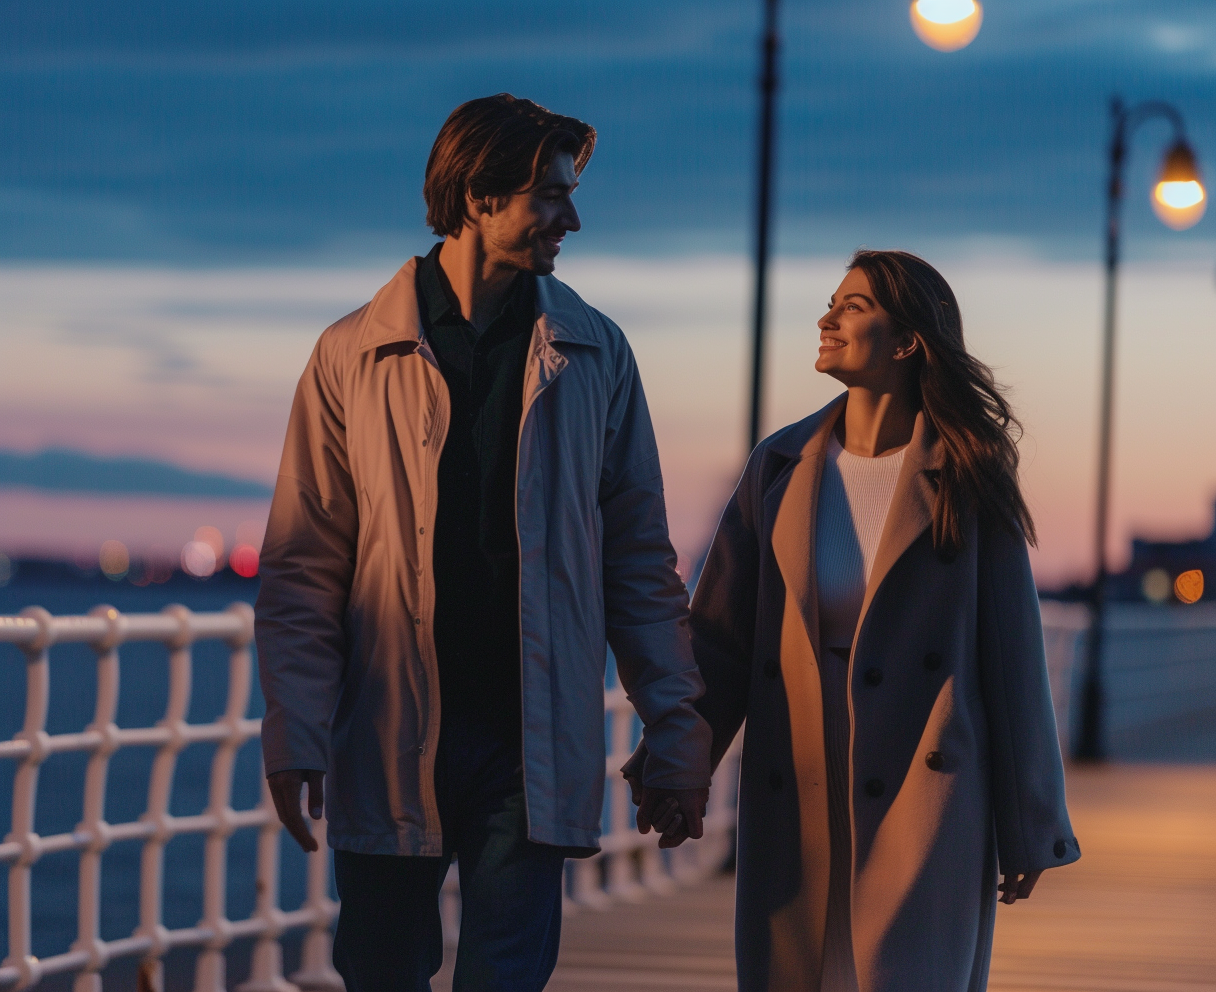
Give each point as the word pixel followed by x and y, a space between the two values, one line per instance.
pixel 345 645
pixel 954 762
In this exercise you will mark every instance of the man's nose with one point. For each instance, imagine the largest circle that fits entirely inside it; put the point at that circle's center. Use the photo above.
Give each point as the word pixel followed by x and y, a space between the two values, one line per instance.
pixel 570 218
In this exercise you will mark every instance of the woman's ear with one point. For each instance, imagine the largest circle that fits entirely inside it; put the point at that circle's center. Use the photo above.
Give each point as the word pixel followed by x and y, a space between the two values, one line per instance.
pixel 906 346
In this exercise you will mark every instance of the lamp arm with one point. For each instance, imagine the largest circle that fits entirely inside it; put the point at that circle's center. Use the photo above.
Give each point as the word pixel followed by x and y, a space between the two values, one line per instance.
pixel 1133 117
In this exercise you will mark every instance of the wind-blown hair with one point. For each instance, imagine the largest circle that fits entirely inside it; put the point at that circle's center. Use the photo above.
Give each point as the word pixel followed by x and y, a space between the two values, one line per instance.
pixel 959 396
pixel 496 146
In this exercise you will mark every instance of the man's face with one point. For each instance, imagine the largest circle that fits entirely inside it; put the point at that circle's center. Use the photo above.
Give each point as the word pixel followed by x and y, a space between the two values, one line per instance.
pixel 525 230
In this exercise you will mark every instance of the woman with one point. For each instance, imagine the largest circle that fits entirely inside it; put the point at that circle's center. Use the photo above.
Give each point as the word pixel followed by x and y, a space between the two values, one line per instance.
pixel 867 605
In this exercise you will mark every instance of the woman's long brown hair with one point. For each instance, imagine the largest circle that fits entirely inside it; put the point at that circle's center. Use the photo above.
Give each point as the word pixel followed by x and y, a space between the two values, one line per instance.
pixel 959 396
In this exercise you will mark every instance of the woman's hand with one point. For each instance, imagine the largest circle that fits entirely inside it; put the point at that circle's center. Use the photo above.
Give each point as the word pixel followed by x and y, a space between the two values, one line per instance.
pixel 1015 889
pixel 675 813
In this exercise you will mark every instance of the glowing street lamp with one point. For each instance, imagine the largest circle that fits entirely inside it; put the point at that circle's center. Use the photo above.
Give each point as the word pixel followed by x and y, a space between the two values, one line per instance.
pixel 946 25
pixel 1179 200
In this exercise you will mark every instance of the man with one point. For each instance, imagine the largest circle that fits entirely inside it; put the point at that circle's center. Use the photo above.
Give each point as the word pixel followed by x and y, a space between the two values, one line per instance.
pixel 469 506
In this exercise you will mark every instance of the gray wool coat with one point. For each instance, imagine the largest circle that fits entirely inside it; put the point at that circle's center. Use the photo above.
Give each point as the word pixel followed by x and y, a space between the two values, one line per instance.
pixel 959 645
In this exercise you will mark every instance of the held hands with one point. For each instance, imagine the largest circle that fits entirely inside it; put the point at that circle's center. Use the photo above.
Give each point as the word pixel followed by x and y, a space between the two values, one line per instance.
pixel 676 814
pixel 1015 889
pixel 285 790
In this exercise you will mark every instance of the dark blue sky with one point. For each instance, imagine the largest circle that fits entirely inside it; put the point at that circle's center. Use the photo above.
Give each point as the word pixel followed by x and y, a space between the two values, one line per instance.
pixel 238 132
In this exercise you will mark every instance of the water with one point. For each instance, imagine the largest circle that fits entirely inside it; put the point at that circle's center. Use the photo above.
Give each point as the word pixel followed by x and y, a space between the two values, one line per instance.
pixel 142 699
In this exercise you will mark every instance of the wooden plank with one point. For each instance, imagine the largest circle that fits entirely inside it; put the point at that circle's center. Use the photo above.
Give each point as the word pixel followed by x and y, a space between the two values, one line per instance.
pixel 1137 913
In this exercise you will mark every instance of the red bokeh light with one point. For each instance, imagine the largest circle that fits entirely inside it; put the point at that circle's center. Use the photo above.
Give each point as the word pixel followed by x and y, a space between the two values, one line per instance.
pixel 244 560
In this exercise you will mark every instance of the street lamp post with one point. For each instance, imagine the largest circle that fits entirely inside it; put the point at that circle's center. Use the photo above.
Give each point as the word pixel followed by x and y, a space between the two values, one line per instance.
pixel 1179 201
pixel 764 207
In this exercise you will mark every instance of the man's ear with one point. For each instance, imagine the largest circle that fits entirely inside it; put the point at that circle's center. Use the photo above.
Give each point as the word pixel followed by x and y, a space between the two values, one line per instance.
pixel 477 207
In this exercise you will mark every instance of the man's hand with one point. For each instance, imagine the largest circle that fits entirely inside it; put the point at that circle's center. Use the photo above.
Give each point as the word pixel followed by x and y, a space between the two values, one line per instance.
pixel 675 813
pixel 1015 889
pixel 285 790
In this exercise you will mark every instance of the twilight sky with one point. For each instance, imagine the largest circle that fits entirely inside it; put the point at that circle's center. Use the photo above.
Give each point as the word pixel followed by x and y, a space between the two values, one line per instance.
pixel 190 192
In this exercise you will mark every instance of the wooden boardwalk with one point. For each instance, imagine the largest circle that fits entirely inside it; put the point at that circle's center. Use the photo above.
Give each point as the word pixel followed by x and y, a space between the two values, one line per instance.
pixel 1137 913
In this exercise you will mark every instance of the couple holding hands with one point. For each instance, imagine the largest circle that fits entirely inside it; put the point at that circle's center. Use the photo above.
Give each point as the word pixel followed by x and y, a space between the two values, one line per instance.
pixel 470 508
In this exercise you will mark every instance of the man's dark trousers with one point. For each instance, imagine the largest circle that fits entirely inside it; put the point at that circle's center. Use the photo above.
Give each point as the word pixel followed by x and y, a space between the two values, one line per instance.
pixel 389 936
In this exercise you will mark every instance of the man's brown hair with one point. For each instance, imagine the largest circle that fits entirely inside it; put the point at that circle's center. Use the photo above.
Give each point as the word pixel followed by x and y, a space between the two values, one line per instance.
pixel 496 146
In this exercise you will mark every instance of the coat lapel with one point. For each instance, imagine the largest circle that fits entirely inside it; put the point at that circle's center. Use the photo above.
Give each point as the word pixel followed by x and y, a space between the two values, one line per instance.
pixel 793 538
pixel 911 511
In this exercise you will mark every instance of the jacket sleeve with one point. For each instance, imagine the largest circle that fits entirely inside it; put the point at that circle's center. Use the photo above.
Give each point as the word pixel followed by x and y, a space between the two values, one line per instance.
pixel 723 622
pixel 645 601
pixel 306 566
pixel 1032 826
pixel 724 616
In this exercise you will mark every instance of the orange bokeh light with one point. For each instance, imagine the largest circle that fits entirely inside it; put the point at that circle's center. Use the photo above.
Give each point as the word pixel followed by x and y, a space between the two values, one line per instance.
pixel 212 537
pixel 1188 587
pixel 114 559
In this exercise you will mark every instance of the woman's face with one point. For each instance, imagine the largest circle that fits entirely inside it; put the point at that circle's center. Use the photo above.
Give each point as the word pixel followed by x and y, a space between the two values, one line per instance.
pixel 859 343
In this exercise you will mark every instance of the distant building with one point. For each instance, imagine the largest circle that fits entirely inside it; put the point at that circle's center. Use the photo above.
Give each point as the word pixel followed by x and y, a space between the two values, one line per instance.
pixel 1156 564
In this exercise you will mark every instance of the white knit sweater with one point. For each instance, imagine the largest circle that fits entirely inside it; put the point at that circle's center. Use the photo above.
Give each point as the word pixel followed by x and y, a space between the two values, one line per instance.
pixel 854 497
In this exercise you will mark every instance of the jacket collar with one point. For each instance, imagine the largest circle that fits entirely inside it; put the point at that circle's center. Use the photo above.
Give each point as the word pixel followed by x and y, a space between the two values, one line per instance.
pixel 793 536
pixel 392 315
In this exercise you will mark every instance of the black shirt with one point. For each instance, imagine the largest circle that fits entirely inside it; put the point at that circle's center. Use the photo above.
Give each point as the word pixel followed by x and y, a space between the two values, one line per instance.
pixel 476 547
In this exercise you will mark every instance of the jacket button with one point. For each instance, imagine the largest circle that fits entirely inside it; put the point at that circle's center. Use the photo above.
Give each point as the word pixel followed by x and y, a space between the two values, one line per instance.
pixel 873 676
pixel 422 749
pixel 935 761
pixel 1060 848
pixel 774 781
pixel 770 668
pixel 417 621
pixel 933 661
pixel 875 788
pixel 424 442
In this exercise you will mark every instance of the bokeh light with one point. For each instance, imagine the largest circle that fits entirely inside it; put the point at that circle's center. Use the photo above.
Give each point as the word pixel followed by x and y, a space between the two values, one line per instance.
pixel 212 537
pixel 1188 587
pixel 244 560
pixel 115 560
pixel 946 25
pixel 198 559
pixel 1179 204
pixel 1156 585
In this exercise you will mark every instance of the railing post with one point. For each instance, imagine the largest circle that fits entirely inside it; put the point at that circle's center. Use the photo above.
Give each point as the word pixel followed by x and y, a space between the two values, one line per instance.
pixel 93 823
pixel 25 798
pixel 160 790
pixel 316 963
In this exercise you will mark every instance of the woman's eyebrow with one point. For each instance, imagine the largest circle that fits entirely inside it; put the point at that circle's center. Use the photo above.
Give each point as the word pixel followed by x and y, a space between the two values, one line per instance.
pixel 862 295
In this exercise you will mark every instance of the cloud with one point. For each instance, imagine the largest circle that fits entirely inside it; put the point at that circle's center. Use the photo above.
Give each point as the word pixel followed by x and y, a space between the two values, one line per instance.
pixel 64 470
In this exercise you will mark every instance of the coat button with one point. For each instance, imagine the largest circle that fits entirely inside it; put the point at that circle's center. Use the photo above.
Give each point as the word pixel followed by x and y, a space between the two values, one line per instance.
pixel 770 668
pixel 1060 848
pixel 774 781
pixel 873 676
pixel 935 760
pixel 933 661
pixel 875 788
pixel 417 621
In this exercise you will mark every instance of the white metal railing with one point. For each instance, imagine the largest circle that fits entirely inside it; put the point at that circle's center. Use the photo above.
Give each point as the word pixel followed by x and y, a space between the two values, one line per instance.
pixel 629 867
pixel 1159 678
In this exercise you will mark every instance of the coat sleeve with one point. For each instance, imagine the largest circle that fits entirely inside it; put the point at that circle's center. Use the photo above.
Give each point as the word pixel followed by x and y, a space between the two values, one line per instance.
pixel 645 601
pixel 1032 825
pixel 306 566
pixel 724 615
